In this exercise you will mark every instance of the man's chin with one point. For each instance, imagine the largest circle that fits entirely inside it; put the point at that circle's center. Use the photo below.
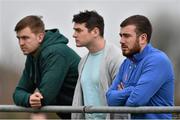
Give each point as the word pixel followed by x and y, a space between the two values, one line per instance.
pixel 77 45
pixel 25 53
pixel 126 54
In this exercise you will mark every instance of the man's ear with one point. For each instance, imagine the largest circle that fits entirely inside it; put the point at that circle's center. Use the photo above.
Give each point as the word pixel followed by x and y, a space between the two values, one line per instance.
pixel 95 31
pixel 41 37
pixel 143 38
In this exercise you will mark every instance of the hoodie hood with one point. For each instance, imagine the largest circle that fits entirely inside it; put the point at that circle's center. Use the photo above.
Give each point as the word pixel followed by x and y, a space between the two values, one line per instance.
pixel 53 36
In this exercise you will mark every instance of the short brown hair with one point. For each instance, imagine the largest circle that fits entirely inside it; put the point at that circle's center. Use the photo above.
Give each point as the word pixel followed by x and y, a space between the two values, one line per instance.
pixel 33 22
pixel 91 19
pixel 142 24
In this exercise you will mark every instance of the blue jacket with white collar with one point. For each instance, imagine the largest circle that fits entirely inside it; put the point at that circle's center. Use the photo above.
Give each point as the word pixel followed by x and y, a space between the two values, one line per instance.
pixel 148 80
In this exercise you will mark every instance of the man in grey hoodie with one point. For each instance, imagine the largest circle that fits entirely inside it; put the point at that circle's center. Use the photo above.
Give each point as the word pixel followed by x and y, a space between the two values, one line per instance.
pixel 98 68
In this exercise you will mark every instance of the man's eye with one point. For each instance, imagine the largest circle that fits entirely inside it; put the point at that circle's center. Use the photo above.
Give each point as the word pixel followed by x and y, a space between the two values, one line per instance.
pixel 79 30
pixel 126 35
pixel 25 38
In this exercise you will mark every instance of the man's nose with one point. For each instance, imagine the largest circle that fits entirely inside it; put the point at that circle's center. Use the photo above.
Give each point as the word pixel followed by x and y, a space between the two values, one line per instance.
pixel 122 40
pixel 21 42
pixel 74 35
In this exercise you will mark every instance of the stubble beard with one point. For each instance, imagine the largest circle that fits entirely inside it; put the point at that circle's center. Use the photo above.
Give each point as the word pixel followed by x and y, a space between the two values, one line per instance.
pixel 136 49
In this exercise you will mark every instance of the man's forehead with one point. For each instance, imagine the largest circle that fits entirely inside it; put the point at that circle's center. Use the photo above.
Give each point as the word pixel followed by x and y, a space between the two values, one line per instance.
pixel 128 28
pixel 79 26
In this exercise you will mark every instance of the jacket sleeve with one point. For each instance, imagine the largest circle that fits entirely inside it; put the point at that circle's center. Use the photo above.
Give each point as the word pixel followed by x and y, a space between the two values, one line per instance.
pixel 24 88
pixel 54 68
pixel 154 74
pixel 117 97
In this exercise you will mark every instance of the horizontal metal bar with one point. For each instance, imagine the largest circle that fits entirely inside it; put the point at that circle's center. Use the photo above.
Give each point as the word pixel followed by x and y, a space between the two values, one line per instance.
pixel 14 108
pixel 133 109
pixel 92 109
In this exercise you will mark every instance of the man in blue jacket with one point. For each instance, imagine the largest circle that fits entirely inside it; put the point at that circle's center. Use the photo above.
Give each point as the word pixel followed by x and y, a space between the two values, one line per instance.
pixel 146 77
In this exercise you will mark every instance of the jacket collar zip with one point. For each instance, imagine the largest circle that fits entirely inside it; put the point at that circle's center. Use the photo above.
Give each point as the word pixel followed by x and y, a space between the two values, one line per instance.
pixel 139 56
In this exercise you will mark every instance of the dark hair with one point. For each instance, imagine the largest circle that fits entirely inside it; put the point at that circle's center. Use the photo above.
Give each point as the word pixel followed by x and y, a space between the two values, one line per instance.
pixel 33 22
pixel 91 19
pixel 142 24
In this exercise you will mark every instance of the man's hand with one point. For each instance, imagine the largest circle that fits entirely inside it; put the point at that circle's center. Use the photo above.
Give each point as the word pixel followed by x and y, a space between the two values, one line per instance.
pixel 120 86
pixel 35 100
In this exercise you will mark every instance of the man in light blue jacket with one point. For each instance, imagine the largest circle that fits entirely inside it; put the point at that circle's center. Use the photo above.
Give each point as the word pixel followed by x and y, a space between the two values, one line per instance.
pixel 98 68
pixel 146 77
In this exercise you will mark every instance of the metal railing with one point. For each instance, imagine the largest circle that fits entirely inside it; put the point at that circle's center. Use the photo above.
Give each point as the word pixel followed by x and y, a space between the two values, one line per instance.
pixel 92 109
